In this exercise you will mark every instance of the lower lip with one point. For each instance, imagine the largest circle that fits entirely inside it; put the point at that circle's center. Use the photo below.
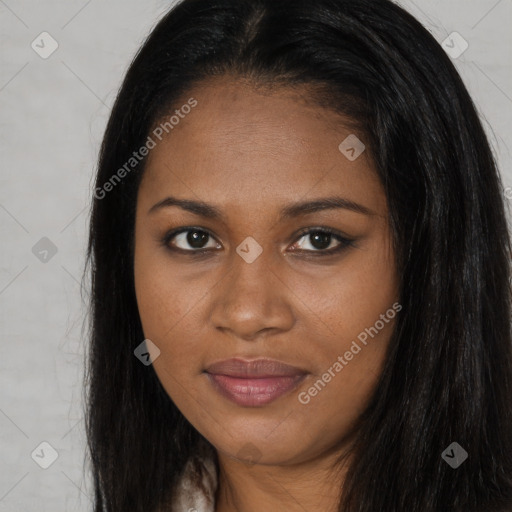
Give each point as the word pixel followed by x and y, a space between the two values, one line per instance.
pixel 254 392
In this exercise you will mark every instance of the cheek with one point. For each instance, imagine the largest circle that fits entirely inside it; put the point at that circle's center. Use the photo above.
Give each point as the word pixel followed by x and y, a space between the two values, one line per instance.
pixel 351 298
pixel 163 298
pixel 167 315
pixel 170 306
pixel 159 300
pixel 352 317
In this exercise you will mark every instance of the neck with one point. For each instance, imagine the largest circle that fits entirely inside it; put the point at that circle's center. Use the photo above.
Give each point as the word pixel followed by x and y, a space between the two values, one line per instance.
pixel 310 485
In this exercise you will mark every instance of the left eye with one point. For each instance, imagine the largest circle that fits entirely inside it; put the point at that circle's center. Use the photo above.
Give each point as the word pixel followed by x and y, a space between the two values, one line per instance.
pixel 321 241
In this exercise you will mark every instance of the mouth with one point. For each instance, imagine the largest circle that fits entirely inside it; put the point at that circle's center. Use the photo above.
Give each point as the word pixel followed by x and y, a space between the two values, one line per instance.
pixel 254 383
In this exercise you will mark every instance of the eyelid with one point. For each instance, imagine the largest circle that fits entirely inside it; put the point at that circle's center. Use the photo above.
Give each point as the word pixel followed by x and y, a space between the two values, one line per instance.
pixel 344 240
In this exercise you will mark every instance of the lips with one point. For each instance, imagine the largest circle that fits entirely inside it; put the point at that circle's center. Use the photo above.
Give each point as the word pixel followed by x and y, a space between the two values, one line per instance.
pixel 253 383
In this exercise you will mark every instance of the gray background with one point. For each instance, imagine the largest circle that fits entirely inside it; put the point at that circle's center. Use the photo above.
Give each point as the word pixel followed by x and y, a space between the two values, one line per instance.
pixel 53 113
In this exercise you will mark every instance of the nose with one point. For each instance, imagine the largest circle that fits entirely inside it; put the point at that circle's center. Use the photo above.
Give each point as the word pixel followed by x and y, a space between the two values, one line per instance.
pixel 252 299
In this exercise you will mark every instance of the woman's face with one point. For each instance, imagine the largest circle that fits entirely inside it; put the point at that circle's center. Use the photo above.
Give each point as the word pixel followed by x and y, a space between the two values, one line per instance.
pixel 261 288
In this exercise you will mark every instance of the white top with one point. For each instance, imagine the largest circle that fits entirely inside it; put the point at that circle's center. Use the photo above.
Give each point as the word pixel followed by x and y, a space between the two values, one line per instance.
pixel 191 497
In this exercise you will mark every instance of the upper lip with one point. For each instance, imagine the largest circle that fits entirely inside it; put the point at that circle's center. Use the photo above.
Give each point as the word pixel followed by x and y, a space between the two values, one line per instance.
pixel 264 367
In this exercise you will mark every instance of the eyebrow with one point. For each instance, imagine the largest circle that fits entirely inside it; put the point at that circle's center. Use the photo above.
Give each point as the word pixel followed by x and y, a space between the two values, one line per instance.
pixel 290 211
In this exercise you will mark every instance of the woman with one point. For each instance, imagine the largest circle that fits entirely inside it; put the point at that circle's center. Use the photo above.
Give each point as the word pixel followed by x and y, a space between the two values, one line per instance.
pixel 300 268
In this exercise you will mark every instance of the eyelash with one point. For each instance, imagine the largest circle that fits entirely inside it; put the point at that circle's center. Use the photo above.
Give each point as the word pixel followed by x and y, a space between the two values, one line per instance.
pixel 343 241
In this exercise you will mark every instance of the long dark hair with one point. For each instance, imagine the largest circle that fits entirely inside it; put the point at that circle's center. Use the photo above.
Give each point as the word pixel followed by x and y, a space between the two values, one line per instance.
pixel 448 373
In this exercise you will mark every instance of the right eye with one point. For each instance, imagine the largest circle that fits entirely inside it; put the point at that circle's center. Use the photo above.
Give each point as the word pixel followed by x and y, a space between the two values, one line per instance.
pixel 195 238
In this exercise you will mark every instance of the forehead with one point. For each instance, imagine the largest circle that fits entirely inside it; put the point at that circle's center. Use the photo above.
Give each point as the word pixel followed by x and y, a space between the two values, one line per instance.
pixel 263 146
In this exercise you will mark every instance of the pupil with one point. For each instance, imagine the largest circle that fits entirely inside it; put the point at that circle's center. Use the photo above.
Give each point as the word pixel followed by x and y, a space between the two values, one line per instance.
pixel 322 239
pixel 196 239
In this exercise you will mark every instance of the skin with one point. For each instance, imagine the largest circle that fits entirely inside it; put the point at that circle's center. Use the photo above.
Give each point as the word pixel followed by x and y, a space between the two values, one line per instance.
pixel 251 152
